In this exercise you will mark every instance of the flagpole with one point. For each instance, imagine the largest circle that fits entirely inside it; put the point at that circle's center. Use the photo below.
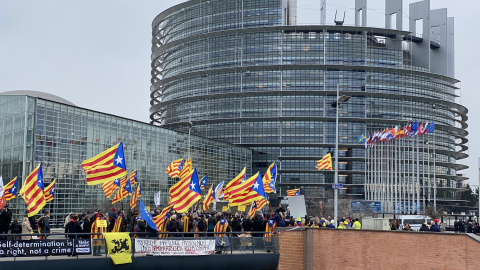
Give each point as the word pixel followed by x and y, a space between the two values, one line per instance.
pixel 335 190
pixel 418 173
pixel 434 178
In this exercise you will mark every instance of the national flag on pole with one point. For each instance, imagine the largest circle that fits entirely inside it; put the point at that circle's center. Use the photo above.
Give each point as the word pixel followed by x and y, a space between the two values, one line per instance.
pixel 161 219
pixel 175 168
pixel 221 227
pixel 136 195
pixel 146 216
pixel 123 192
pixel 255 192
pixel 270 178
pixel 188 195
pixel 219 191
pixel 3 201
pixel 414 127
pixel 110 186
pixel 234 182
pixel 133 178
pixel 431 128
pixel 293 192
pixel 11 189
pixel 244 187
pixel 325 162
pixel 49 191
pixel 203 182
pixel 32 191
pixel 361 138
pixel 209 198
pixel 108 165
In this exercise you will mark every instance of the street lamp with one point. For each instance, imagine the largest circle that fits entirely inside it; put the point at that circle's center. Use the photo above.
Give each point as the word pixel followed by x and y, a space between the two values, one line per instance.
pixel 336 104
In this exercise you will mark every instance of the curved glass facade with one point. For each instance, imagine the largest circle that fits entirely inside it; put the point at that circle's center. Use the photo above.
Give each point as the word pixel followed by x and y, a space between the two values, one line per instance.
pixel 258 82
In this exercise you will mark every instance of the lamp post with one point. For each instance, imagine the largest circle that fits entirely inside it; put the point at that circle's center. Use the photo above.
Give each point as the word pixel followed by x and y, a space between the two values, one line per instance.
pixel 336 104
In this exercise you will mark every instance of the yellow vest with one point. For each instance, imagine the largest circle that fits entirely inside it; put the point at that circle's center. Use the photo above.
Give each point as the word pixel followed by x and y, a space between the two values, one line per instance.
pixel 358 225
pixel 341 226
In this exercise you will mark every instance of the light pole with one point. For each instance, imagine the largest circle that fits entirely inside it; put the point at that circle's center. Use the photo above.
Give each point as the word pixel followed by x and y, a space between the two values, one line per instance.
pixel 336 104
pixel 189 124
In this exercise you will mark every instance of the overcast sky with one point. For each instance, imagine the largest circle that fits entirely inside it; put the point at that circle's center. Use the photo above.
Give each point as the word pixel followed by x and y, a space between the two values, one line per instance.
pixel 96 54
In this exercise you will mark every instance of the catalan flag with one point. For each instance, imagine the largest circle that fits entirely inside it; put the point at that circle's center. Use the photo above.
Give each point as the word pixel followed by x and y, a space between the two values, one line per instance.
pixel 270 178
pixel 203 182
pixel 221 227
pixel 271 224
pixel 219 191
pixel 255 192
pixel 110 186
pixel 32 191
pixel 293 192
pixel 257 206
pixel 123 192
pixel 186 169
pixel 209 198
pixel 133 178
pixel 189 195
pixel 118 223
pixel 234 182
pixel 176 190
pixel 136 195
pixel 325 162
pixel 244 187
pixel 108 165
pixel 175 168
pixel 11 189
pixel 3 202
pixel 49 191
pixel 160 220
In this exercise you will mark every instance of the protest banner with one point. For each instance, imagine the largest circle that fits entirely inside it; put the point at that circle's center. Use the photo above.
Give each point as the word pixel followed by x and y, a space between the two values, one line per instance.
pixel 44 247
pixel 174 247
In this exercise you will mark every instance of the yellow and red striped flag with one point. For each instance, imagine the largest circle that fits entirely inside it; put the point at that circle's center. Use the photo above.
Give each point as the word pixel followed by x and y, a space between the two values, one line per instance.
pixel 221 227
pixel 209 198
pixel 124 191
pixel 3 201
pixel 136 195
pixel 271 224
pixel 257 206
pixel 186 169
pixel 293 192
pixel 203 182
pixel 187 195
pixel 160 220
pixel 32 191
pixel 133 178
pixel 325 162
pixel 175 168
pixel 185 223
pixel 49 191
pixel 255 192
pixel 11 189
pixel 106 166
pixel 110 186
pixel 269 179
pixel 118 223
pixel 179 187
pixel 230 187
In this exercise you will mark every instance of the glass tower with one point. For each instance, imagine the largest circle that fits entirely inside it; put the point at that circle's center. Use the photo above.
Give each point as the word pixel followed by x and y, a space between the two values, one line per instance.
pixel 244 73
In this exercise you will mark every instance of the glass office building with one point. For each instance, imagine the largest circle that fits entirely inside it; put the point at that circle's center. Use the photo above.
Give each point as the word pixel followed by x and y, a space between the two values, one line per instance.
pixel 245 73
pixel 38 127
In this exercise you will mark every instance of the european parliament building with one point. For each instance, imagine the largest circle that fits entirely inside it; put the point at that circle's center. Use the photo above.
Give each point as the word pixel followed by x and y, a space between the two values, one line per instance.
pixel 244 72
pixel 39 127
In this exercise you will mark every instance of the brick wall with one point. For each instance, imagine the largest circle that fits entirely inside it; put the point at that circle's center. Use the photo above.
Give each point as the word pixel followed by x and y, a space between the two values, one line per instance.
pixel 365 249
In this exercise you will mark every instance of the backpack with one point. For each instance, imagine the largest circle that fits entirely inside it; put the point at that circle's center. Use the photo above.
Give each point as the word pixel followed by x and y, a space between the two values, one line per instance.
pixel 201 225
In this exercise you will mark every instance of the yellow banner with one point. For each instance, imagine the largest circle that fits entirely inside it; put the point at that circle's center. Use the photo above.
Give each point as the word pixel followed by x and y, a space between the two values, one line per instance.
pixel 241 208
pixel 102 223
pixel 119 247
pixel 224 209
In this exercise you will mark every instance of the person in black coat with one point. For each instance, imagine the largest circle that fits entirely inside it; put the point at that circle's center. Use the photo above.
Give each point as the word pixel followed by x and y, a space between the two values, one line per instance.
pixel 236 225
pixel 73 227
pixel 5 219
pixel 258 225
pixel 247 224
pixel 279 218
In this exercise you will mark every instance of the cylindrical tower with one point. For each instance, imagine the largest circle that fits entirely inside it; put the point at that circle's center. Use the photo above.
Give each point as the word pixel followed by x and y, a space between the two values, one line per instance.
pixel 240 72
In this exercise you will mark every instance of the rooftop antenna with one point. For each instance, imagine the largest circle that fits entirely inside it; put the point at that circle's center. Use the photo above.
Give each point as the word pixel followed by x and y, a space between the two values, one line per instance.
pixel 339 22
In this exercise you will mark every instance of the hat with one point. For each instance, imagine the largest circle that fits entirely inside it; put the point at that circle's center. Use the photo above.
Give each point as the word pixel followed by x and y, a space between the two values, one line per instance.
pixel 345 222
pixel 436 220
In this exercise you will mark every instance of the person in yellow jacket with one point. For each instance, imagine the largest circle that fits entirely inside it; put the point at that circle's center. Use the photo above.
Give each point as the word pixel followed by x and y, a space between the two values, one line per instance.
pixel 342 225
pixel 357 225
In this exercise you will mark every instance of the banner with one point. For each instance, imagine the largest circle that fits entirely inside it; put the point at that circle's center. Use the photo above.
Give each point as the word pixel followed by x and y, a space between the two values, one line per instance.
pixel 174 247
pixel 156 198
pixel 119 247
pixel 45 247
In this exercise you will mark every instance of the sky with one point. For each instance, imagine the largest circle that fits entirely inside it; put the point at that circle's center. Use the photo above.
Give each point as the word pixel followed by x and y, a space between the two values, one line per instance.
pixel 96 54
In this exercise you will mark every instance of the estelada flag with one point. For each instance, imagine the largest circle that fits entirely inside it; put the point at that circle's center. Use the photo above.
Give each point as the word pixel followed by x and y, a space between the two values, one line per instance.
pixel 106 166
pixel 325 162
pixel 119 245
pixel 293 192
pixel 133 178
pixel 49 191
pixel 175 168
pixel 3 201
pixel 209 198
pixel 270 178
pixel 32 191
pixel 136 195
pixel 11 189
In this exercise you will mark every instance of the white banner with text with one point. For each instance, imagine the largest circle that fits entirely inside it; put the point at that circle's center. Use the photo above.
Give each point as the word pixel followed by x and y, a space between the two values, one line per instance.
pixel 166 247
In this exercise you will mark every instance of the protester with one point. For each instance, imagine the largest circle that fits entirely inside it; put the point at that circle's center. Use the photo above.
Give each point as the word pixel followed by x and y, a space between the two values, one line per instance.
pixel 5 219
pixel 424 228
pixel 73 226
pixel 435 227
pixel 44 224
pixel 67 219
pixel 97 239
pixel 16 228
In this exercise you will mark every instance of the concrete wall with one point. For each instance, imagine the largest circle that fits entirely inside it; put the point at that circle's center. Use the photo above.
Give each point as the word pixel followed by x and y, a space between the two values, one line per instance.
pixel 364 249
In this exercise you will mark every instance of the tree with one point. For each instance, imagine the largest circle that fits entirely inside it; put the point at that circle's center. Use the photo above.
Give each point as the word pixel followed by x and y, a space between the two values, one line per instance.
pixel 470 196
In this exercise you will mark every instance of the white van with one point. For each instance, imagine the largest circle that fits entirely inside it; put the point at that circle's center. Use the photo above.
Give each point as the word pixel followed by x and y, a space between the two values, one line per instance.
pixel 415 221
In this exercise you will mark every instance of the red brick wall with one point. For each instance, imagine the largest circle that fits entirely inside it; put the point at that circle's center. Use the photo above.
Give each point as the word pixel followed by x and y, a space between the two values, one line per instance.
pixel 364 249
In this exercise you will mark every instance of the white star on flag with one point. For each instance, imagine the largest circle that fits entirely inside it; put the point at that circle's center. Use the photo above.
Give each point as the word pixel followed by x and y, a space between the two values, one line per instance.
pixel 118 160
pixel 255 186
pixel 192 185
pixel 13 189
